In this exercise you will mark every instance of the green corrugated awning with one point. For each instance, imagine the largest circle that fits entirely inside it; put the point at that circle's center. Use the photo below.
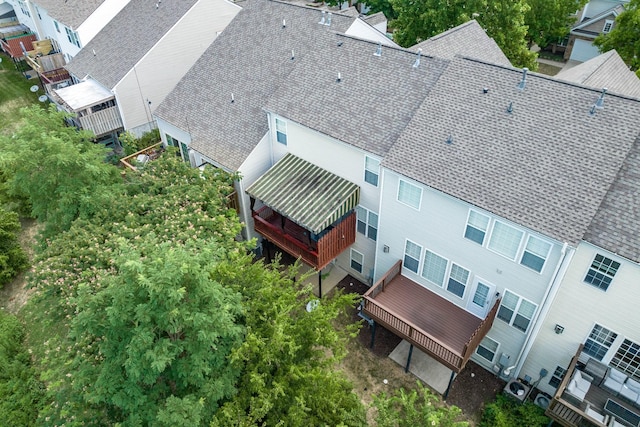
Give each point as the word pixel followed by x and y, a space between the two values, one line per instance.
pixel 308 195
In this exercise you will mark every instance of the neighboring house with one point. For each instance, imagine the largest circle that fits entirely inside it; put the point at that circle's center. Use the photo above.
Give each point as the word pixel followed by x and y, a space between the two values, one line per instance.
pixel 597 17
pixel 138 57
pixel 607 70
pixel 445 181
pixel 7 14
pixel 468 39
pixel 70 24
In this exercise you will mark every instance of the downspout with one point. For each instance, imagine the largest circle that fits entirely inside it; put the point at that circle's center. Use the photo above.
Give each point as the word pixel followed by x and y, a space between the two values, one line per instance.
pixel 565 257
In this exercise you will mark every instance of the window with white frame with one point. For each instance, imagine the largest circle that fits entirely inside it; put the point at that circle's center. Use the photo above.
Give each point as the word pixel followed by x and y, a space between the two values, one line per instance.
pixel 505 240
pixel 409 194
pixel 608 25
pixel 627 358
pixel 487 349
pixel 477 225
pixel 601 272
pixel 72 36
pixel 24 8
pixel 281 131
pixel 412 253
pixel 357 260
pixel 535 253
pixel 367 222
pixel 371 170
pixel 516 311
pixel 458 278
pixel 557 376
pixel 55 23
pixel 434 267
pixel 599 342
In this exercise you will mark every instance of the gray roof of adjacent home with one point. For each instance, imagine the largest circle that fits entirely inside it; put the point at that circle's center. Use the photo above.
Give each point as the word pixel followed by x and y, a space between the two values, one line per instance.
pixel 71 13
pixel 126 39
pixel 249 59
pixel 615 225
pixel 468 39
pixel 526 165
pixel 578 28
pixel 373 101
pixel 375 18
pixel 607 70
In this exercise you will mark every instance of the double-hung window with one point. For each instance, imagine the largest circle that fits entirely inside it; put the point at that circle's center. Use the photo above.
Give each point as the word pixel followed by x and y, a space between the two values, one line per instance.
pixel 371 170
pixel 608 25
pixel 458 278
pixel 367 222
pixel 72 36
pixel 516 311
pixel 434 268
pixel 602 272
pixel 627 358
pixel 505 240
pixel 281 131
pixel 535 253
pixel 599 342
pixel 487 349
pixel 409 194
pixel 412 253
pixel 357 260
pixel 477 225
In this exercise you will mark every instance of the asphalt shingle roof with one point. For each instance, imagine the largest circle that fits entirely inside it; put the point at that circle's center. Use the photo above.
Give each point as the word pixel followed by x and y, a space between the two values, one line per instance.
pixel 605 70
pixel 249 59
pixel 126 39
pixel 71 13
pixel 468 39
pixel 546 165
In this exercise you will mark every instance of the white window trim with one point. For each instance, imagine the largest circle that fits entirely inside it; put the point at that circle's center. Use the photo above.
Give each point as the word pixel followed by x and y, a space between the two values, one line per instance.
pixel 448 276
pixel 447 268
pixel 351 259
pixel 608 22
pixel 413 185
pixel 515 311
pixel 285 133
pixel 593 258
pixel 466 224
pixel 404 253
pixel 367 224
pixel 524 249
pixel 611 351
pixel 518 251
pixel 377 173
pixel 495 353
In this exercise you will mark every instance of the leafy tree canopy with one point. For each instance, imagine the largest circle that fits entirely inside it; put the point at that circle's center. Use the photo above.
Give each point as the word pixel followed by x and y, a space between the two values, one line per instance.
pixel 13 259
pixel 54 167
pixel 502 19
pixel 550 20
pixel 625 36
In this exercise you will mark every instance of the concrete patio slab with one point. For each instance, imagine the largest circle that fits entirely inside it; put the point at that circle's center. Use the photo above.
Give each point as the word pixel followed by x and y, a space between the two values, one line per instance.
pixel 434 374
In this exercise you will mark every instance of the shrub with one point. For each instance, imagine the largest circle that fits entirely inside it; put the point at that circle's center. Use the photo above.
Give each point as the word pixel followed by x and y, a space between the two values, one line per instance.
pixel 131 144
pixel 506 412
pixel 12 258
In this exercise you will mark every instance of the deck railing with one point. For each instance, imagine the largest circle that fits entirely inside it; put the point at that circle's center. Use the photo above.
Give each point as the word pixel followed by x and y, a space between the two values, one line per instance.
pixel 480 332
pixel 329 246
pixel 150 151
pixel 103 121
pixel 384 280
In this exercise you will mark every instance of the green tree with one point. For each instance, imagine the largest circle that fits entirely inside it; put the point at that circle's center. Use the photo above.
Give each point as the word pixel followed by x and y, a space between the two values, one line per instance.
pixel 289 354
pixel 159 334
pixel 416 408
pixel 550 20
pixel 506 412
pixel 12 257
pixel 625 36
pixel 502 19
pixel 383 6
pixel 55 167
pixel 21 394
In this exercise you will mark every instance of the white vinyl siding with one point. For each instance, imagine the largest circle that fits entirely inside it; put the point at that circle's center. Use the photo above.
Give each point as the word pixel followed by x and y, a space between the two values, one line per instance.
pixel 409 194
pixel 505 240
pixel 434 268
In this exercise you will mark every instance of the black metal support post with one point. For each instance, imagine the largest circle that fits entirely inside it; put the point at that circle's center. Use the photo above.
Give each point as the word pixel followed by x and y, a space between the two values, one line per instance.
pixel 320 284
pixel 446 392
pixel 406 368
pixel 373 333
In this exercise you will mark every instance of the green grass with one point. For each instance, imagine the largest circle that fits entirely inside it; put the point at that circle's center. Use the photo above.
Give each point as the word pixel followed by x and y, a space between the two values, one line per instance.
pixel 14 94
pixel 547 69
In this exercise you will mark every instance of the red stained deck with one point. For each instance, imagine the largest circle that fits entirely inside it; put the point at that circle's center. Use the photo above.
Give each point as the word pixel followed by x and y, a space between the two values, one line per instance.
pixel 435 325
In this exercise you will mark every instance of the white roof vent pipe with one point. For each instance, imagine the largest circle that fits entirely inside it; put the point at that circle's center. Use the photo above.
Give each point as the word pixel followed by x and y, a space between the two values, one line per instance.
pixel 418 55
pixel 378 50
pixel 523 82
pixel 322 19
pixel 328 23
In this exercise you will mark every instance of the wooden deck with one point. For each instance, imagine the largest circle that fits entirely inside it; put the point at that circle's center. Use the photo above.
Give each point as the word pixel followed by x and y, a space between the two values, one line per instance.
pixel 435 325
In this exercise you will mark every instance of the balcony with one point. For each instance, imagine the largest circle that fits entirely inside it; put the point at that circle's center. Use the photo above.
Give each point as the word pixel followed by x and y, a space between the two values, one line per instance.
pixel 298 242
pixel 49 64
pixel 595 406
pixel 308 212
pixel 433 324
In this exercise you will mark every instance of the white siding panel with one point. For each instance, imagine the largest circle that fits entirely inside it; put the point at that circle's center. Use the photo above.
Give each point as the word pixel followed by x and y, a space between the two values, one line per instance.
pixel 99 18
pixel 254 166
pixel 167 62
pixel 365 31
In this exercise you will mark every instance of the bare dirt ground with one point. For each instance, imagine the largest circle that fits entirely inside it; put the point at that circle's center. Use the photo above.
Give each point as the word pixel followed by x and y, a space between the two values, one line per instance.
pixel 15 294
pixel 368 367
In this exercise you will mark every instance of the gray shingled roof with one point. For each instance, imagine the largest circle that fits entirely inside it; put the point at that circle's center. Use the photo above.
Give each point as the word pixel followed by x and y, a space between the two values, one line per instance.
pixel 546 165
pixel 615 225
pixel 71 13
pixel 605 70
pixel 375 18
pixel 374 100
pixel 126 39
pixel 579 27
pixel 468 39
pixel 250 59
